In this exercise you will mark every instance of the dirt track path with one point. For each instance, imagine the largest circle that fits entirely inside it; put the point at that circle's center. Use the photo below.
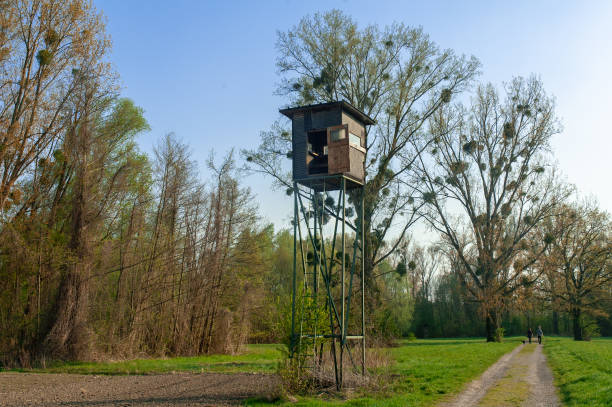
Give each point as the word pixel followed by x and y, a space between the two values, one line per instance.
pixel 519 378
pixel 208 389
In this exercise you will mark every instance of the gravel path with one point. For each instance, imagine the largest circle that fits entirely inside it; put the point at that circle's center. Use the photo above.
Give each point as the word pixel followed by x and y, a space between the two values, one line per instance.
pixel 479 387
pixel 207 389
pixel 542 391
pixel 519 378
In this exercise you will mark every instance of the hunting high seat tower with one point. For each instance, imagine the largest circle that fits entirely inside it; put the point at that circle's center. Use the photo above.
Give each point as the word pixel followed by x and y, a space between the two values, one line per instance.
pixel 329 150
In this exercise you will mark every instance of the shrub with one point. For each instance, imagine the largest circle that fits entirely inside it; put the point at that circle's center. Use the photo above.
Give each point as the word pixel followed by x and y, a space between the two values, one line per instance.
pixel 295 369
pixel 590 329
pixel 499 334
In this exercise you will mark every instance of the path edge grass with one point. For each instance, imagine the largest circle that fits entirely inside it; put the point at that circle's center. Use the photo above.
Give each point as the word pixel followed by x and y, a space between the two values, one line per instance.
pixel 582 370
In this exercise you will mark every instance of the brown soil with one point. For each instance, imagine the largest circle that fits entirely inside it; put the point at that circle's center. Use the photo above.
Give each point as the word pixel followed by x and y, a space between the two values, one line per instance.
pixel 208 389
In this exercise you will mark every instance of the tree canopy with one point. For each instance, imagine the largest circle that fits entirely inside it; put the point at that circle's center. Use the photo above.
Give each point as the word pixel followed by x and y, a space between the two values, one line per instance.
pixel 488 165
pixel 397 76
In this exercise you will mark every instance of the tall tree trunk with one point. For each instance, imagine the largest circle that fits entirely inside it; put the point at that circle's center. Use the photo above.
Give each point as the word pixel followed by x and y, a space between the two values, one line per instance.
pixel 370 283
pixel 528 319
pixel 492 324
pixel 68 337
pixel 555 322
pixel 577 325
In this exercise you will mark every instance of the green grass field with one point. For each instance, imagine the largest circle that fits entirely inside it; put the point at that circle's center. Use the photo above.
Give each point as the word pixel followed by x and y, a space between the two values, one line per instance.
pixel 425 371
pixel 256 359
pixel 582 370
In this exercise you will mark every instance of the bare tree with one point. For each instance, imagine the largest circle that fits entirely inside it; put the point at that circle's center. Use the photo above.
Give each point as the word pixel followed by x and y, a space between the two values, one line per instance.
pixel 580 262
pixel 45 47
pixel 486 186
pixel 397 76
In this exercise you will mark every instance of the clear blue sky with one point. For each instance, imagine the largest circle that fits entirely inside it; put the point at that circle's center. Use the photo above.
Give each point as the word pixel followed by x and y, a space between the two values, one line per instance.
pixel 206 70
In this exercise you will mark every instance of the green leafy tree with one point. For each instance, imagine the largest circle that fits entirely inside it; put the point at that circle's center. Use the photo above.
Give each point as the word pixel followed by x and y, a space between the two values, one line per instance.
pixel 100 150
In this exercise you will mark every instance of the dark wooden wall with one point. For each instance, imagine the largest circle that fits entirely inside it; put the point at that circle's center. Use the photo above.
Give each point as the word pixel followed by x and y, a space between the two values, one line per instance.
pixel 301 126
pixel 319 120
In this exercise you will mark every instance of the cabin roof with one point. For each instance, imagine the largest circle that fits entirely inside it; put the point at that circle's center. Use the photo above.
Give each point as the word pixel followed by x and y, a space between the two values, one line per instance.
pixel 358 114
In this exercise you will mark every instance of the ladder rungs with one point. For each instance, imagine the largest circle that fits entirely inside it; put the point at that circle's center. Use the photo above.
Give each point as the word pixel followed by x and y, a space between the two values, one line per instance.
pixel 319 336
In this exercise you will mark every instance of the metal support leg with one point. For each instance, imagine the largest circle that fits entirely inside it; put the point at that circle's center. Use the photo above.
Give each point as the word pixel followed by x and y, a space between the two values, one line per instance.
pixel 343 294
pixel 295 222
pixel 339 316
pixel 315 275
pixel 363 260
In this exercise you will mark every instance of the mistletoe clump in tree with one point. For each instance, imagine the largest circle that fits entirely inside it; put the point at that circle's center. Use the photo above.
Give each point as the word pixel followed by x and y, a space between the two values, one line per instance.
pixel 486 187
pixel 395 75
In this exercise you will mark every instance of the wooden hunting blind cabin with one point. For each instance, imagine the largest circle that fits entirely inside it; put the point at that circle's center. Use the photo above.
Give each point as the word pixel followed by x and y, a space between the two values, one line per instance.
pixel 328 139
pixel 329 149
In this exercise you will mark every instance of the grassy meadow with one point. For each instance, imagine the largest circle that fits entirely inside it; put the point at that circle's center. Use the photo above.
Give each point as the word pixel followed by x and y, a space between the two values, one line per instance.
pixel 582 370
pixel 423 372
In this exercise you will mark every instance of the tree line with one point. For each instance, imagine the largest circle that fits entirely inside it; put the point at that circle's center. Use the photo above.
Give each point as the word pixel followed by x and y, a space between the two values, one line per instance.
pixel 105 250
pixel 471 161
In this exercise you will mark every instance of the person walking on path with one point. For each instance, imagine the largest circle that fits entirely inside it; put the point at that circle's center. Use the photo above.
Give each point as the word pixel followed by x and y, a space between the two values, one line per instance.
pixel 529 334
pixel 540 334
